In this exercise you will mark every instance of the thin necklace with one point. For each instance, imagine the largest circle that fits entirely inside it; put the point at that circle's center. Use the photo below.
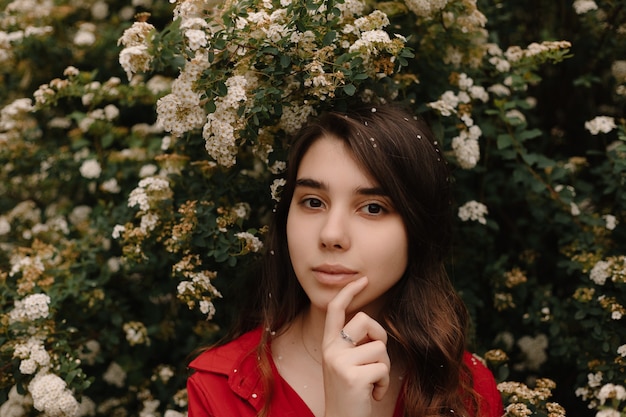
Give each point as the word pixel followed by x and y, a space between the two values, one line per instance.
pixel 304 344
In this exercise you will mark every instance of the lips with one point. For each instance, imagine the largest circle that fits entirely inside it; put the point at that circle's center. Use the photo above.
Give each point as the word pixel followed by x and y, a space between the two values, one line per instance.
pixel 334 274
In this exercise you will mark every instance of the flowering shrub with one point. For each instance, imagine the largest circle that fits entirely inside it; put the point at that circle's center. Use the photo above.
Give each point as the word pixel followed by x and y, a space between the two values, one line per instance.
pixel 138 167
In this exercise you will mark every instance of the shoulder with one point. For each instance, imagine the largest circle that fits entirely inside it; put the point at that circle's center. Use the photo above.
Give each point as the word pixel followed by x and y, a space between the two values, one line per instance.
pixel 222 358
pixel 225 379
pixel 485 386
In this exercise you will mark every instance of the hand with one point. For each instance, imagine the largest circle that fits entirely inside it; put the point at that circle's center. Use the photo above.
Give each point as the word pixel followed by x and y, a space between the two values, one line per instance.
pixel 356 372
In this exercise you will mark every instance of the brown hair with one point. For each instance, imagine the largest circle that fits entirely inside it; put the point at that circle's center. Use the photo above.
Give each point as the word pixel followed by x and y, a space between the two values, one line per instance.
pixel 425 318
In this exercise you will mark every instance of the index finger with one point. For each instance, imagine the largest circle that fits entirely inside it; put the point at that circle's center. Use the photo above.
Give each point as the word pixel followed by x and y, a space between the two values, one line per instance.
pixel 336 309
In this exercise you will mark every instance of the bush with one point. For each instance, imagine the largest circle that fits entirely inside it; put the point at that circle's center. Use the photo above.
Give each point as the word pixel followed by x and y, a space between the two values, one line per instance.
pixel 141 155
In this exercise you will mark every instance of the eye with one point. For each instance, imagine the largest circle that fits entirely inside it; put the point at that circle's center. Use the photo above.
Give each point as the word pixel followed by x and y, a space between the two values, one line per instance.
pixel 312 202
pixel 373 209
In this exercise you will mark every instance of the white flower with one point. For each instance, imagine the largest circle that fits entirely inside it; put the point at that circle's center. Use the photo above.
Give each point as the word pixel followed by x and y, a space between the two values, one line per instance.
pixel 135 59
pixel 5 226
pixel 90 169
pixel 148 222
pixel 111 112
pixel 611 391
pixel 118 230
pixel 51 396
pixel 466 149
pixel 207 307
pixel 252 243
pixel 165 373
pixel 115 375
pixel 276 187
pixel 584 6
pixel 85 35
pixel 611 221
pixel 173 413
pixel 499 90
pixel 32 307
pixel 616 315
pixel 136 333
pixel 600 272
pixel 474 211
pixel 534 349
pixel 110 186
pixel 148 170
pixel 608 412
pixel 28 366
pixel 600 124
pixel 511 115
pixel 99 10
pixel 478 92
pixel 594 380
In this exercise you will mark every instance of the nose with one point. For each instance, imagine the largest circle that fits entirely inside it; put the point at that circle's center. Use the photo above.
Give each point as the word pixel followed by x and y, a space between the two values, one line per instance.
pixel 334 232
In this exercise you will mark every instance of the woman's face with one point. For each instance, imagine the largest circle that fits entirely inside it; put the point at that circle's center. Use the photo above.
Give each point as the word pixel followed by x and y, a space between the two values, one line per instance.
pixel 341 226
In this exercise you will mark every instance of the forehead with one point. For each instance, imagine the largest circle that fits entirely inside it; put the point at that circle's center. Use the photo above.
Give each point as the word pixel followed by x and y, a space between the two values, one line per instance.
pixel 330 162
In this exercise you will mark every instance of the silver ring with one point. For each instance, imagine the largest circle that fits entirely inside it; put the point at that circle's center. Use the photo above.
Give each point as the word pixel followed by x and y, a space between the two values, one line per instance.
pixel 346 337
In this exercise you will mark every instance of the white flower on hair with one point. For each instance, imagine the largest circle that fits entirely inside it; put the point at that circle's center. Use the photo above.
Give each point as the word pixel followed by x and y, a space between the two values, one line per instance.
pixel 600 124
pixel 474 211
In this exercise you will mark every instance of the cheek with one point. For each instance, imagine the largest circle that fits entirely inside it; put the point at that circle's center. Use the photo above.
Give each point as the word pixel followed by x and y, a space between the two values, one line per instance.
pixel 295 235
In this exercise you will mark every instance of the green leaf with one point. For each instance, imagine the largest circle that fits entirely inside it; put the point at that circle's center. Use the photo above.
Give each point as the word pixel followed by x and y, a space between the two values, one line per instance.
pixel 349 89
pixel 504 141
pixel 107 140
pixel 529 134
pixel 329 38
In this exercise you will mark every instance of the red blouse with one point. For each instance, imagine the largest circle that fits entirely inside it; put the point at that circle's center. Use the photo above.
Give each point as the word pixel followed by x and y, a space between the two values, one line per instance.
pixel 227 383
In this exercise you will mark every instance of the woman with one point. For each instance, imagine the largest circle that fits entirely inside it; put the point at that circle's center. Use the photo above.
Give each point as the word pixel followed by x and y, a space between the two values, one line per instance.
pixel 357 316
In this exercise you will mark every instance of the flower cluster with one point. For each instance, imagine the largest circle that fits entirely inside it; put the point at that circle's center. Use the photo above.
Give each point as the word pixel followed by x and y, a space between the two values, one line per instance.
pixel 196 288
pixel 473 211
pixel 525 401
pixel 600 124
pixel 263 56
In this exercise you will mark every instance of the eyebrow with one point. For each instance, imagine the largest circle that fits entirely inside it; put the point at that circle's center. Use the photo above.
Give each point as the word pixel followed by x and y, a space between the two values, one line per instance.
pixel 318 185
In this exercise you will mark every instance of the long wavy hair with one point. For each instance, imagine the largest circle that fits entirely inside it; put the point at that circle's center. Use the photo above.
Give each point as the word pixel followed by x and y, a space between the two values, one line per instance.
pixel 425 318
